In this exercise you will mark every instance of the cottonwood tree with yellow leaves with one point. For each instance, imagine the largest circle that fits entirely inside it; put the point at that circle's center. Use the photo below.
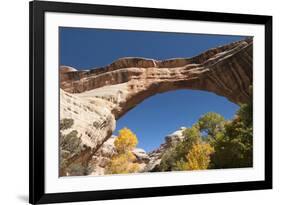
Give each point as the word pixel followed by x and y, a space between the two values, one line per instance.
pixel 199 156
pixel 124 161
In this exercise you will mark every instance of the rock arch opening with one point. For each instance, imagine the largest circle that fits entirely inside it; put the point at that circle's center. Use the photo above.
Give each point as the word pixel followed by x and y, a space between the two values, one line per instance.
pixel 104 95
pixel 160 115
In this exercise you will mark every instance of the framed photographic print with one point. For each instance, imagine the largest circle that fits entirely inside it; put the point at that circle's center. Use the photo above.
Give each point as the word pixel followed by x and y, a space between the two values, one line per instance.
pixel 140 102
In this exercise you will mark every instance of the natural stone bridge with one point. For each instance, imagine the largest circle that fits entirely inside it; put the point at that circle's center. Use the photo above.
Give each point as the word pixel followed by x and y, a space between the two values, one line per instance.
pixel 96 98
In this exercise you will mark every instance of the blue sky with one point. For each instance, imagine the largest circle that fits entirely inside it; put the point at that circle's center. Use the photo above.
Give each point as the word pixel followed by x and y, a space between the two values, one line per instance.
pixel 161 114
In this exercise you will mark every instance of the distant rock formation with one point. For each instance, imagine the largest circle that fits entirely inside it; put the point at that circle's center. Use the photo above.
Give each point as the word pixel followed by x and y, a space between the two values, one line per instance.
pixel 95 99
pixel 155 156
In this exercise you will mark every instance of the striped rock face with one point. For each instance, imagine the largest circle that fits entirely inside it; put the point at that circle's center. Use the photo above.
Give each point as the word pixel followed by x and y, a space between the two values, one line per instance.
pixel 96 98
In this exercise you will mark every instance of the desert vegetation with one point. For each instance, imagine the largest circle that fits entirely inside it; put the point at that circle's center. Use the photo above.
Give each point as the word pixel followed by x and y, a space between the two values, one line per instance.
pixel 210 143
pixel 123 161
pixel 214 143
pixel 70 147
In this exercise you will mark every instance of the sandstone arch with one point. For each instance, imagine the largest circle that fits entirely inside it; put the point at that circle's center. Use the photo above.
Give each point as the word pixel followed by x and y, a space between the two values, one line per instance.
pixel 96 98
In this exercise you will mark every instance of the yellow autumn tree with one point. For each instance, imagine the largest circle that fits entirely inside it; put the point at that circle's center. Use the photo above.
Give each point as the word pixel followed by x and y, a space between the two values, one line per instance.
pixel 199 156
pixel 126 140
pixel 124 161
pixel 122 164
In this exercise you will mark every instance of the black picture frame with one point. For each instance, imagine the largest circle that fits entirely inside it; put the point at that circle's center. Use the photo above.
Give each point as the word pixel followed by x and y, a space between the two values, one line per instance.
pixel 37 9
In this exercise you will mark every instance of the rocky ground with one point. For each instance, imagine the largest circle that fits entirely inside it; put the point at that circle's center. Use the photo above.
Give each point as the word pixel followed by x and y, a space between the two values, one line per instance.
pixel 148 162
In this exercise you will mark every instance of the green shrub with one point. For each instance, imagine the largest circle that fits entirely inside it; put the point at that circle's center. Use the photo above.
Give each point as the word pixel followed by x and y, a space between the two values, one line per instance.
pixel 235 148
pixel 77 169
pixel 66 123
pixel 70 145
pixel 71 142
pixel 210 124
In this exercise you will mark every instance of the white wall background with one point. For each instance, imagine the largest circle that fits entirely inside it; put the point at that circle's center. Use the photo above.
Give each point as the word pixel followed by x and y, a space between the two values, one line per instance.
pixel 14 44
